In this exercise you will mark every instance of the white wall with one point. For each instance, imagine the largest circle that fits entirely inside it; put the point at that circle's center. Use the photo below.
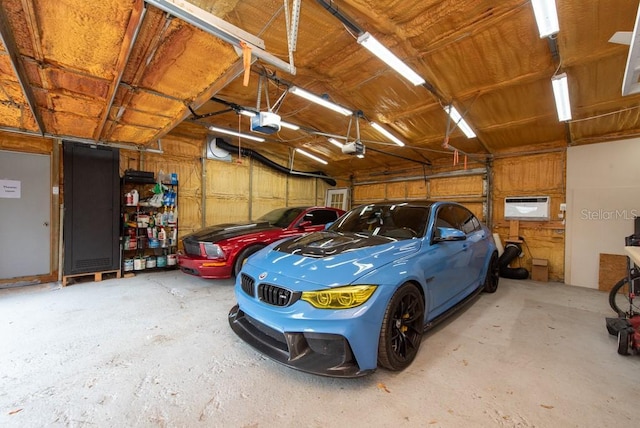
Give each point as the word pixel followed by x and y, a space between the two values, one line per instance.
pixel 603 196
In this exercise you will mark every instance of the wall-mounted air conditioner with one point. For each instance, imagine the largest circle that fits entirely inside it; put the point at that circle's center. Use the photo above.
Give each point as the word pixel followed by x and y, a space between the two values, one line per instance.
pixel 526 208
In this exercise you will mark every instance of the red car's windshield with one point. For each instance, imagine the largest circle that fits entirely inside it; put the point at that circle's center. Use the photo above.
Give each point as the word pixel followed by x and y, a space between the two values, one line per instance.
pixel 281 217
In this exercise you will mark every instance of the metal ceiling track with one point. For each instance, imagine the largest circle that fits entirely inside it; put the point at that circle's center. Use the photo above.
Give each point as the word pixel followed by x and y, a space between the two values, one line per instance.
pixel 220 28
pixel 12 49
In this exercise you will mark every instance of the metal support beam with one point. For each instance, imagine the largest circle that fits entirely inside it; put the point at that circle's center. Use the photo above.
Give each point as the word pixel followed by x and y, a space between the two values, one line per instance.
pixel 12 49
pixel 219 28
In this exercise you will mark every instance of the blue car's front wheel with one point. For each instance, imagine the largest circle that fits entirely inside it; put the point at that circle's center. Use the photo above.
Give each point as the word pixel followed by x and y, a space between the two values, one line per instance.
pixel 402 328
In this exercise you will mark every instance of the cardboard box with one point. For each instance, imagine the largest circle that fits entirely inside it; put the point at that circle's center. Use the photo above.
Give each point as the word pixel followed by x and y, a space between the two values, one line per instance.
pixel 540 270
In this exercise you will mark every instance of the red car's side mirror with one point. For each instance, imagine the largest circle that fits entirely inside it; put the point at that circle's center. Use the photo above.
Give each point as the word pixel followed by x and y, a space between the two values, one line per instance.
pixel 304 224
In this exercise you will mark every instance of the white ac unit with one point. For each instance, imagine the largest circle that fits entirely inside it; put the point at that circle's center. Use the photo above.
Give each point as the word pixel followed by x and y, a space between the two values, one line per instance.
pixel 526 208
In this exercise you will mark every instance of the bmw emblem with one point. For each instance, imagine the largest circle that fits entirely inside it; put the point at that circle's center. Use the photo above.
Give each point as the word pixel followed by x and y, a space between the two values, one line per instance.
pixel 262 276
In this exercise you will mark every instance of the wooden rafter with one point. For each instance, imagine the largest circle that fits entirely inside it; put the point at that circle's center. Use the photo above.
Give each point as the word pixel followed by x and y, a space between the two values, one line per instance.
pixel 135 23
pixel 12 49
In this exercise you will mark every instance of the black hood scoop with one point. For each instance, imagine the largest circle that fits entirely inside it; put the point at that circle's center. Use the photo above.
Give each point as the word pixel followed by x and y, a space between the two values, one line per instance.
pixel 325 244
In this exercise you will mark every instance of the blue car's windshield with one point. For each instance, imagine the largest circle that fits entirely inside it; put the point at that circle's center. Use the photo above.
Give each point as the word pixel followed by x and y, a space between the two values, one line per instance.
pixel 401 221
pixel 281 217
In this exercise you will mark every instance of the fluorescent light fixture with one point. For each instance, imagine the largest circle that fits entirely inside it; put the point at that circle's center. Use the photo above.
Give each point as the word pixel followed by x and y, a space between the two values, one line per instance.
pixel 318 100
pixel 546 17
pixel 561 94
pixel 236 134
pixel 459 121
pixel 289 125
pixel 336 143
pixel 309 155
pixel 387 134
pixel 376 48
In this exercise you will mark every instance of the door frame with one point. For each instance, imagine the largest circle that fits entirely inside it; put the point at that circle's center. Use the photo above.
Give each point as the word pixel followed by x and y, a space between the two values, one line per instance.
pixel 52 150
pixel 344 191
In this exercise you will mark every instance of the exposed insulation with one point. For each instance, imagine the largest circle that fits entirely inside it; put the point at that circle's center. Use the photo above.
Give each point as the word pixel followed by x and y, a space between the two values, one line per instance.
pixel 539 175
pixel 268 183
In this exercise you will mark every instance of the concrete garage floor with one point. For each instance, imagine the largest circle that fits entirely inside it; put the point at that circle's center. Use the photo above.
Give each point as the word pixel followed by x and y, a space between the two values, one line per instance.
pixel 156 351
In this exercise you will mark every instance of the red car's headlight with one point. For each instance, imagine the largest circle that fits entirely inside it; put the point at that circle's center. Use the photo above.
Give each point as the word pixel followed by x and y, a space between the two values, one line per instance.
pixel 211 251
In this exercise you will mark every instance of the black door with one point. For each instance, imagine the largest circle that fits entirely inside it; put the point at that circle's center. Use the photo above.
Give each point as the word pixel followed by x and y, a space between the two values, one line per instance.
pixel 91 208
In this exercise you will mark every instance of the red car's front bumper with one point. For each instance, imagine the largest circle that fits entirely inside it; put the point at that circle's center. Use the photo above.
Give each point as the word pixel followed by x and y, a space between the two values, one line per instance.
pixel 205 268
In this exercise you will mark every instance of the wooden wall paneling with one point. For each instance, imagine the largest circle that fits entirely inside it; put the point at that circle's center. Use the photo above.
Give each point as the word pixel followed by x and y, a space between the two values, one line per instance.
pixel 448 187
pixel 268 190
pixel 417 189
pixel 26 143
pixel 301 191
pixel 363 194
pixel 227 186
pixel 533 175
pixel 396 191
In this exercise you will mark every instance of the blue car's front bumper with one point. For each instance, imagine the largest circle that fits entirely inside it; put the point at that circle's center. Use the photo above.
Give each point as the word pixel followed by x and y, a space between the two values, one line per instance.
pixel 332 342
pixel 318 353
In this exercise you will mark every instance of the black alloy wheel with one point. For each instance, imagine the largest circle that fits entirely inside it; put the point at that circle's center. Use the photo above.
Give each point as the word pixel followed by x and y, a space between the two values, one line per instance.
pixel 402 328
pixel 493 275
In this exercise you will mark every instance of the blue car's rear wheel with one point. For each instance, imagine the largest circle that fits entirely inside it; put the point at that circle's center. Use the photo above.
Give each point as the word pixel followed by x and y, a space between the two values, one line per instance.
pixel 402 328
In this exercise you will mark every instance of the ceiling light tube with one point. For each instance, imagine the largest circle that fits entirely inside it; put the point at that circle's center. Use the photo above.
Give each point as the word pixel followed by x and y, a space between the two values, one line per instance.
pixel 309 155
pixel 321 101
pixel 459 121
pixel 546 17
pixel 336 143
pixel 387 134
pixel 560 86
pixel 236 134
pixel 376 48
pixel 289 125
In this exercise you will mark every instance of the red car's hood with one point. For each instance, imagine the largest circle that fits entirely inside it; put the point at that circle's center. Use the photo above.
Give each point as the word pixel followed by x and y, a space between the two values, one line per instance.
pixel 228 230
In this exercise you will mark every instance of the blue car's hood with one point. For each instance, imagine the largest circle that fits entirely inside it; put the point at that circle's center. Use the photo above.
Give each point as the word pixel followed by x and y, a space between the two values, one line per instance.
pixel 332 258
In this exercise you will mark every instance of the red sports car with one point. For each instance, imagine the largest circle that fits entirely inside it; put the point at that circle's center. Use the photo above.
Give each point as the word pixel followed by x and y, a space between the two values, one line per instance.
pixel 219 251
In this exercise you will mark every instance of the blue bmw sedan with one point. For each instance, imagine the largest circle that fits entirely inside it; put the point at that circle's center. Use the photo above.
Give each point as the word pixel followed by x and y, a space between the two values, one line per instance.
pixel 360 294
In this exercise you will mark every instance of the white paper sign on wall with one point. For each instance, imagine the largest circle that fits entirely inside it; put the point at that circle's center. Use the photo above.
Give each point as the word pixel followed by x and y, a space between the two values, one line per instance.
pixel 10 189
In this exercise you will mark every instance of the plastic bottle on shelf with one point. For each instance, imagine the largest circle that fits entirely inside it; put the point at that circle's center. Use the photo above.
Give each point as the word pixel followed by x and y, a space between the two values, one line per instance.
pixel 165 216
pixel 170 217
pixel 162 235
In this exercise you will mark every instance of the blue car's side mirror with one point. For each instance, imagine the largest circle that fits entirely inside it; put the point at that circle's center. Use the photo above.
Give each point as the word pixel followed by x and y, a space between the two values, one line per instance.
pixel 449 234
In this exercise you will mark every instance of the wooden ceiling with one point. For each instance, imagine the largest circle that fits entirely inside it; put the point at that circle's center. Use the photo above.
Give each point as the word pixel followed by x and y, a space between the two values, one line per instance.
pixel 127 72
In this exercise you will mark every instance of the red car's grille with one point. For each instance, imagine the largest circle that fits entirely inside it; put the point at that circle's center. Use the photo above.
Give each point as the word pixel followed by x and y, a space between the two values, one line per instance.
pixel 191 247
pixel 247 284
pixel 276 296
